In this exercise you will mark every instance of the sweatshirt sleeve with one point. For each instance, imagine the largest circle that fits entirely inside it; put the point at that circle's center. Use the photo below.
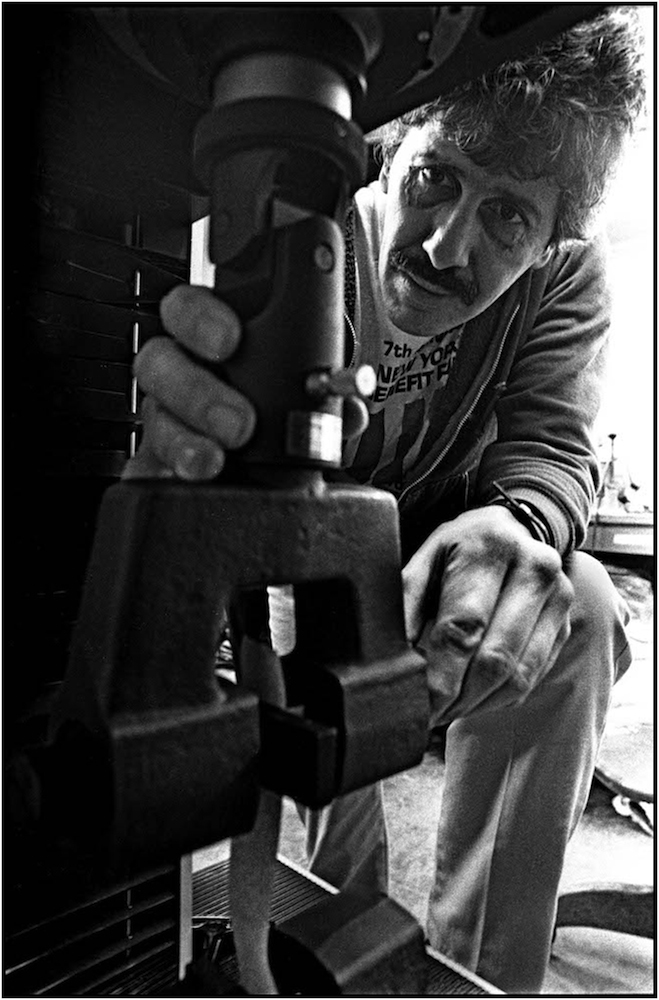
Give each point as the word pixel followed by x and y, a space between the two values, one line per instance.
pixel 544 453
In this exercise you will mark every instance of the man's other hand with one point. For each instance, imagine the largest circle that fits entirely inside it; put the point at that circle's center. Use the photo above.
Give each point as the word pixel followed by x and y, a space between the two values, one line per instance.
pixel 191 418
pixel 488 606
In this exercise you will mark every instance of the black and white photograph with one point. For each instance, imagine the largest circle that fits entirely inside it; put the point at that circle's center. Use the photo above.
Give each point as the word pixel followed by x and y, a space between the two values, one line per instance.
pixel 329 484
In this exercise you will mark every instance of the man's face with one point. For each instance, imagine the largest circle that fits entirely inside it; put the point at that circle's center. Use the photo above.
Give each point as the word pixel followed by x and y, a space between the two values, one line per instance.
pixel 455 235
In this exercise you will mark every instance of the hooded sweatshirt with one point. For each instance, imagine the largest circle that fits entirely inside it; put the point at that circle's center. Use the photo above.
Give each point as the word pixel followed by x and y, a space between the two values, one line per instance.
pixel 510 398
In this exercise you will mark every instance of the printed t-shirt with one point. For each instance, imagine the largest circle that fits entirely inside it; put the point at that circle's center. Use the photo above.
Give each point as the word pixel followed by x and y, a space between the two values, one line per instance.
pixel 410 369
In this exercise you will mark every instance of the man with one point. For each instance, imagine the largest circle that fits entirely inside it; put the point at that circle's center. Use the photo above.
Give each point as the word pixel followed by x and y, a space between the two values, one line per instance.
pixel 482 305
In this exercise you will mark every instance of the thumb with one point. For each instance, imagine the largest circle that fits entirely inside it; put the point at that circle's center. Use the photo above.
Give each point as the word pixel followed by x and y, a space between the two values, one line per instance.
pixel 417 576
pixel 146 465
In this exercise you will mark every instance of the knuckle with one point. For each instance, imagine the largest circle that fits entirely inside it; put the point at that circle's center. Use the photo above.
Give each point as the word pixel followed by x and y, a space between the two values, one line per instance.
pixel 480 548
pixel 462 635
pixel 445 678
pixel 543 564
pixel 549 562
pixel 501 543
pixel 486 548
pixel 502 527
pixel 528 672
pixel 523 680
pixel 495 664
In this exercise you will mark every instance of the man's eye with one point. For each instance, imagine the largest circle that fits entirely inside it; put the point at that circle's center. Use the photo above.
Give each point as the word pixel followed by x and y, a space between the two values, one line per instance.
pixel 505 221
pixel 433 175
pixel 508 212
pixel 428 185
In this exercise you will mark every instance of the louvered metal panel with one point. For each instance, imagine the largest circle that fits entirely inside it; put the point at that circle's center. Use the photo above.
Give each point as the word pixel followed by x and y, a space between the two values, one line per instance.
pixel 118 939
pixel 149 975
pixel 86 318
pixel 97 221
pixel 100 270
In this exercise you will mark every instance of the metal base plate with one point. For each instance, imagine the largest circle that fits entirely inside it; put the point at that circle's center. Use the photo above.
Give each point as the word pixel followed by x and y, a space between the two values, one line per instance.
pixel 294 893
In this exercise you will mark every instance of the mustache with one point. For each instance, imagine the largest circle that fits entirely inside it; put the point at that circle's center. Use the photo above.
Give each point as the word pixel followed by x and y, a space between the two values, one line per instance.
pixel 447 280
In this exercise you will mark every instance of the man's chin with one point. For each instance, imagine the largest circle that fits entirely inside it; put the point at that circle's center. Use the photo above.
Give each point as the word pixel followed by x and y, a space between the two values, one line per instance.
pixel 420 312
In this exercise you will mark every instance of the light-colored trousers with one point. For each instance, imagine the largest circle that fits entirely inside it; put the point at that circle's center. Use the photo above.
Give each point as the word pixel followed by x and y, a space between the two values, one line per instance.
pixel 516 784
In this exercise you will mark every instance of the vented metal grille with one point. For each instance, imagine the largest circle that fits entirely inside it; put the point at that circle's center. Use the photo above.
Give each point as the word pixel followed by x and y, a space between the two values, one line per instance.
pixel 292 893
pixel 98 219
pixel 95 305
pixel 91 303
pixel 124 940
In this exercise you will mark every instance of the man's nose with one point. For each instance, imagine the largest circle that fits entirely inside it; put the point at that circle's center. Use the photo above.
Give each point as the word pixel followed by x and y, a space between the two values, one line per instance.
pixel 452 238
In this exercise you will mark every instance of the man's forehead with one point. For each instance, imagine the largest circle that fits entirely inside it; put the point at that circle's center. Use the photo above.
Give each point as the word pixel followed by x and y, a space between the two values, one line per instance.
pixel 431 143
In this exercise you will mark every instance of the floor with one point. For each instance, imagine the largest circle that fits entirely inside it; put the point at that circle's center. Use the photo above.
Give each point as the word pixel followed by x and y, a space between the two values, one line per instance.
pixel 608 846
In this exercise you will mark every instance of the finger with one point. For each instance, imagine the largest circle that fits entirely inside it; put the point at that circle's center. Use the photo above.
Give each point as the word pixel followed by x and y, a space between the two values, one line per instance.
pixel 201 321
pixel 419 588
pixel 530 647
pixel 524 668
pixel 471 566
pixel 443 676
pixel 146 465
pixel 507 696
pixel 414 600
pixel 550 633
pixel 472 578
pixel 176 447
pixel 355 417
pixel 529 604
pixel 193 394
pixel 449 647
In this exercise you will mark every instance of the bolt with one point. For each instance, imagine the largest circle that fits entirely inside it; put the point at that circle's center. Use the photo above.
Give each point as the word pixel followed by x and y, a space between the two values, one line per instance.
pixel 323 258
pixel 365 380
pixel 343 382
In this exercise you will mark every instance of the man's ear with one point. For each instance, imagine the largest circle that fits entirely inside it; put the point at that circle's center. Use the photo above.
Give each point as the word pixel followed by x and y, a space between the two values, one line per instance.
pixel 384 177
pixel 543 259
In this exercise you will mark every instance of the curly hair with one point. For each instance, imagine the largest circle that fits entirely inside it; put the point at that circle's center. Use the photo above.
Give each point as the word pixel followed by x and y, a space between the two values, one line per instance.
pixel 563 112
